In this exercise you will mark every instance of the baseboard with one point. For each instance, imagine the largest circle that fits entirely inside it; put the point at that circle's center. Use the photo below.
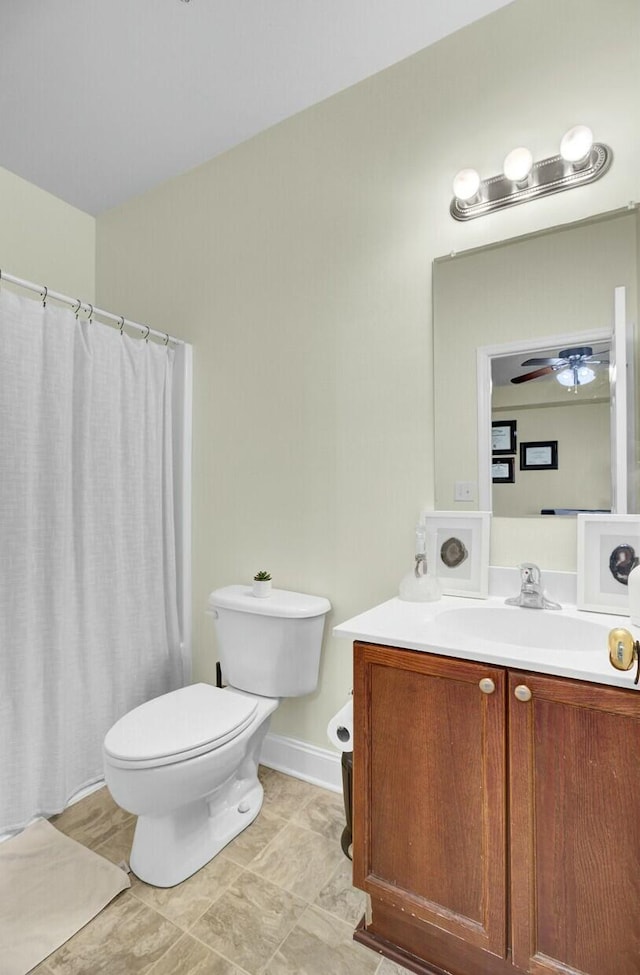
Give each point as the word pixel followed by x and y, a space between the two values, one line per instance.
pixel 320 766
pixel 83 793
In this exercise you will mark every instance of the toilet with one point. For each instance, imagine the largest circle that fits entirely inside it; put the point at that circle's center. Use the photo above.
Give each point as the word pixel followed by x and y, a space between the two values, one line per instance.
pixel 186 763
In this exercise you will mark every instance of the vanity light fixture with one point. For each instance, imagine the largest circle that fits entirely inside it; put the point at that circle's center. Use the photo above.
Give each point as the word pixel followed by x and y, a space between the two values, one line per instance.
pixel 580 161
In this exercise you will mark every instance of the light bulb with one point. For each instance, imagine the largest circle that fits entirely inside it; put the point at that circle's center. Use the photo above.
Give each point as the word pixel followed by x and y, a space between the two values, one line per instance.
pixel 576 144
pixel 466 184
pixel 576 377
pixel 517 164
pixel 585 375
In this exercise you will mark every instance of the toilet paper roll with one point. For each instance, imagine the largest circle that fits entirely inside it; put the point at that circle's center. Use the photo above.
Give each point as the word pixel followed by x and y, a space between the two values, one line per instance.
pixel 340 728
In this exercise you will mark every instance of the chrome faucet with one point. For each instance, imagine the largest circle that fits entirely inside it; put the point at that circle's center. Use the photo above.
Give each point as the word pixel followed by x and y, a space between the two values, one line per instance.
pixel 531 595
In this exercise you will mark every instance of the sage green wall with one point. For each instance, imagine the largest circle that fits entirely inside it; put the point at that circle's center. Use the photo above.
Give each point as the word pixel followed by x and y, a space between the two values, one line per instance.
pixel 299 265
pixel 45 240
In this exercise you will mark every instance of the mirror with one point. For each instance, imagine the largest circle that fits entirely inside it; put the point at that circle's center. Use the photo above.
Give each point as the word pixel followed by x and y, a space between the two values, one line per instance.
pixel 550 429
pixel 542 296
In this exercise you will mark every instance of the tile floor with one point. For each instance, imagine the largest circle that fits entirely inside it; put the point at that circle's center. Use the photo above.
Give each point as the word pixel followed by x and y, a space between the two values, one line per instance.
pixel 277 901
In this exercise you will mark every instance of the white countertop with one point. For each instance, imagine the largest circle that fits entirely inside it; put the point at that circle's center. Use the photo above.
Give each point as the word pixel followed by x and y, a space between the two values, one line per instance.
pixel 415 626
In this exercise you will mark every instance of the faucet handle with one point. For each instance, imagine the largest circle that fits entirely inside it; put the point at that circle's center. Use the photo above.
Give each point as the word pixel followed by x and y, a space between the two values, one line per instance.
pixel 530 572
pixel 531 593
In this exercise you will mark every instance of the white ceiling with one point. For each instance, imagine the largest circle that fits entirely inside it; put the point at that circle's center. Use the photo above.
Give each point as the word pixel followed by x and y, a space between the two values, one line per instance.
pixel 102 99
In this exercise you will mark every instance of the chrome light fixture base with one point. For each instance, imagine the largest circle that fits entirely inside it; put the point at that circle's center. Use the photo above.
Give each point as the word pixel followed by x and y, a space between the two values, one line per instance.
pixel 552 175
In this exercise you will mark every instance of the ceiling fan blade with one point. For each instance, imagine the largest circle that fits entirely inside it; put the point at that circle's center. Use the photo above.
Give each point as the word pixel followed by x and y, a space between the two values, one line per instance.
pixel 543 362
pixel 534 375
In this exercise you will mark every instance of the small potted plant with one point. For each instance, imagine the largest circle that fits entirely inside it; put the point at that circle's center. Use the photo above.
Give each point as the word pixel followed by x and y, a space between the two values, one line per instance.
pixel 262 584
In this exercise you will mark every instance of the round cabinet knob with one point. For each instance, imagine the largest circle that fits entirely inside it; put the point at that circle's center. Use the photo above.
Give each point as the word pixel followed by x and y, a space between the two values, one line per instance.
pixel 487 686
pixel 522 692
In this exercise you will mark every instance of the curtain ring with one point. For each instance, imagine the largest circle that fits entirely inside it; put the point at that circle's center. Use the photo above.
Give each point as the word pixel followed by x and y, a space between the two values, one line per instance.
pixel 44 297
pixel 76 310
pixel 121 324
pixel 166 341
pixel 146 338
pixel 89 305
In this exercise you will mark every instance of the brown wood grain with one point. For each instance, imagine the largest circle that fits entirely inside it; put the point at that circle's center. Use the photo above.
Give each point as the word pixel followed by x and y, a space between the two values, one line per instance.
pixel 575 835
pixel 425 949
pixel 429 791
pixel 430 829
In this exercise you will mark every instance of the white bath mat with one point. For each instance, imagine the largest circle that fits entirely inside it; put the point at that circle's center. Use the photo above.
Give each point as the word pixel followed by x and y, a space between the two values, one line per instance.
pixel 50 887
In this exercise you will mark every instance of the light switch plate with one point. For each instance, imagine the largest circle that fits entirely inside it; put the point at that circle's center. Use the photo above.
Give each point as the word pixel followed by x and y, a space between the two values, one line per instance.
pixel 465 491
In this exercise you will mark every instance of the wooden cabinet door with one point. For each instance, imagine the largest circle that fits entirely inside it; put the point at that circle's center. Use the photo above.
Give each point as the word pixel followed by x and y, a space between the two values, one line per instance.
pixel 575 827
pixel 430 797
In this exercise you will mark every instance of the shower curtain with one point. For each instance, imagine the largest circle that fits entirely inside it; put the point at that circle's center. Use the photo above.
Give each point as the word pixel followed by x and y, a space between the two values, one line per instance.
pixel 89 587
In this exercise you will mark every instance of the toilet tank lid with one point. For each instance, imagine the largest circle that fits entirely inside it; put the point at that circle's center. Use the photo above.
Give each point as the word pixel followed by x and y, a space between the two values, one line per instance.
pixel 281 602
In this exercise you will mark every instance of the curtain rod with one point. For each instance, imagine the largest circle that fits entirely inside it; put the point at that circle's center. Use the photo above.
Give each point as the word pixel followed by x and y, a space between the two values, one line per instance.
pixel 87 308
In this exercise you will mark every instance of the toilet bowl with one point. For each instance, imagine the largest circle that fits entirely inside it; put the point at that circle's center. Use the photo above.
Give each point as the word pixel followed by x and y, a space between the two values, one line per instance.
pixel 186 763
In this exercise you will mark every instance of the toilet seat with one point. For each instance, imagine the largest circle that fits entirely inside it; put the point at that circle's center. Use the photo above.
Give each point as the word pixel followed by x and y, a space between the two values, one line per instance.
pixel 178 726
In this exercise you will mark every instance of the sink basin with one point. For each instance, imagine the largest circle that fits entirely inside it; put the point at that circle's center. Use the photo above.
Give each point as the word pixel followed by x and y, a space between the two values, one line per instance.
pixel 517 627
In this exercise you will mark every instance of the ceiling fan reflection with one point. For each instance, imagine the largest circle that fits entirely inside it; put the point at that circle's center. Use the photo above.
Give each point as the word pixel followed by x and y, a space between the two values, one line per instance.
pixel 572 367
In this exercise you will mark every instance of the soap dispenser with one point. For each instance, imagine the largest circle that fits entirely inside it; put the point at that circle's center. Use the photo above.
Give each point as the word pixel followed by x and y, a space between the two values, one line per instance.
pixel 422 585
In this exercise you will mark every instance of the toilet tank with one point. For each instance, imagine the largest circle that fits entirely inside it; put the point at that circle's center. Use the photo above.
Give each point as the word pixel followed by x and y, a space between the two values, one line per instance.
pixel 269 646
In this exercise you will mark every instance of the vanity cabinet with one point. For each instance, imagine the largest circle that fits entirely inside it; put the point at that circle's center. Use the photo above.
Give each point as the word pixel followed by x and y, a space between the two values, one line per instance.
pixel 496 817
pixel 574 775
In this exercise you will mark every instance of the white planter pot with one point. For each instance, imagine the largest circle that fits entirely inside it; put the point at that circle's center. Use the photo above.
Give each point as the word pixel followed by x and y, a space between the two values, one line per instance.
pixel 262 588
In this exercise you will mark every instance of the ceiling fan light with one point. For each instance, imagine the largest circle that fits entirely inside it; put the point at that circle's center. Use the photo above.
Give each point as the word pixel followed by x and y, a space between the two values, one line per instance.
pixel 579 376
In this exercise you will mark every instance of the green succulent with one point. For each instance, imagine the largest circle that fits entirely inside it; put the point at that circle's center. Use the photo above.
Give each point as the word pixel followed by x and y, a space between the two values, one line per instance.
pixel 262 576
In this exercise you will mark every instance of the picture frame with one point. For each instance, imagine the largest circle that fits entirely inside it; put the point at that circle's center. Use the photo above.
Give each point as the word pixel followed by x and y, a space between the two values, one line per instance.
pixel 539 455
pixel 462 551
pixel 503 436
pixel 608 548
pixel 503 470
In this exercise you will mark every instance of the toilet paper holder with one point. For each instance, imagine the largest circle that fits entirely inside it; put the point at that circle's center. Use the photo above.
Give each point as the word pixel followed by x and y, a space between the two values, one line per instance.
pixel 340 726
pixel 340 734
